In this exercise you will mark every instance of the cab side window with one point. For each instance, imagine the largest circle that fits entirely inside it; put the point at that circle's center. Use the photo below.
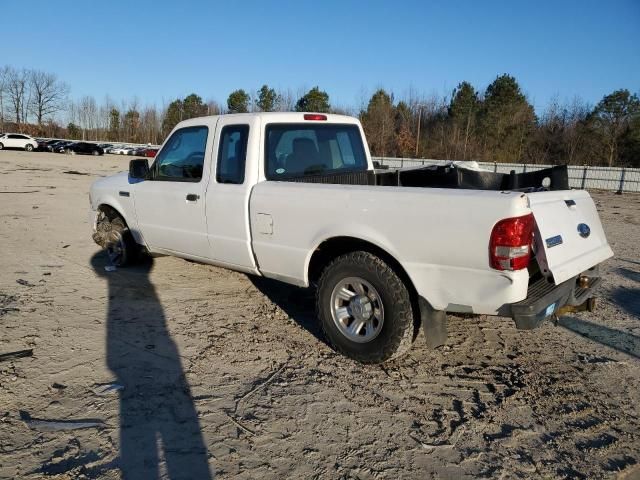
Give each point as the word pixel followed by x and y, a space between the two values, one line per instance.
pixel 232 154
pixel 182 157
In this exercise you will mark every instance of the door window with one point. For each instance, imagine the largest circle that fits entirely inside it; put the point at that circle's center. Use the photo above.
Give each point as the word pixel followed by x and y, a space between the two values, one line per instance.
pixel 182 157
pixel 232 154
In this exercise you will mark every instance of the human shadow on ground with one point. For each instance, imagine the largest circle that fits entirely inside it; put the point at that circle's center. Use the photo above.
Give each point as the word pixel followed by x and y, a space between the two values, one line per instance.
pixel 627 299
pixel 616 339
pixel 628 273
pixel 635 262
pixel 298 303
pixel 158 420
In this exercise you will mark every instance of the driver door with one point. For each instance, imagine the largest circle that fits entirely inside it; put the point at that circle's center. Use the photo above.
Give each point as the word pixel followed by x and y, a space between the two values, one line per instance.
pixel 170 205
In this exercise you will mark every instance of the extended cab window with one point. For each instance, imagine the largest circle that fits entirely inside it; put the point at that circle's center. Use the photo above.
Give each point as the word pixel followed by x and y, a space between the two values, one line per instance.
pixel 182 157
pixel 293 150
pixel 232 154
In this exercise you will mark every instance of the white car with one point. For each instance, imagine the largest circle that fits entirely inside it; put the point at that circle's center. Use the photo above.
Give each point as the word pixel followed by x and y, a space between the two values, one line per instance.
pixel 121 150
pixel 295 197
pixel 18 140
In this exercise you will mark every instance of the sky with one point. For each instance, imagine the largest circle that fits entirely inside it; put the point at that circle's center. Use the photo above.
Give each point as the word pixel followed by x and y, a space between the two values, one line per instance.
pixel 160 50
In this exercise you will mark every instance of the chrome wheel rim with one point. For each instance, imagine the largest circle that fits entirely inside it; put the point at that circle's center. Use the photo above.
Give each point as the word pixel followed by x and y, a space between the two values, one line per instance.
pixel 357 310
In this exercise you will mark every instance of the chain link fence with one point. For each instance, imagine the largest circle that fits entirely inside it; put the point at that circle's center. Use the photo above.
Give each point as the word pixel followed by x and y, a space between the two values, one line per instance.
pixel 584 177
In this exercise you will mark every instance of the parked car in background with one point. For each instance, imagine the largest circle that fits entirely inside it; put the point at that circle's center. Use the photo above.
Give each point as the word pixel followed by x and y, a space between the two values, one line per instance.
pixel 111 148
pixel 61 147
pixel 120 150
pixel 18 140
pixel 151 152
pixel 46 146
pixel 84 148
pixel 53 144
pixel 105 146
pixel 43 146
pixel 138 151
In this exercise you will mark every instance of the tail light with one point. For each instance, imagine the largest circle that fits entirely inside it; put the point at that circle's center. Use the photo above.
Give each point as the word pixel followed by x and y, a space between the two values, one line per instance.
pixel 510 244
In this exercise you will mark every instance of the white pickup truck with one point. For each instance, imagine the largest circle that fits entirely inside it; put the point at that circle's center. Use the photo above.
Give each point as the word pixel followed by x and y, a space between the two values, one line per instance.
pixel 295 197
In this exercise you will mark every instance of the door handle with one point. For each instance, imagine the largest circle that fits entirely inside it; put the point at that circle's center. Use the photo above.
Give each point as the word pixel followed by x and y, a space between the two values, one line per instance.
pixel 192 197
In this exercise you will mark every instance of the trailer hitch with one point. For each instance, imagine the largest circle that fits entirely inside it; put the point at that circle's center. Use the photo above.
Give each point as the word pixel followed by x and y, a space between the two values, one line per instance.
pixel 588 305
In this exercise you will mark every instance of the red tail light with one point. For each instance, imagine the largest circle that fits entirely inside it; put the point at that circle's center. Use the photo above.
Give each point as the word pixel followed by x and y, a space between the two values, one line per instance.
pixel 510 244
pixel 314 116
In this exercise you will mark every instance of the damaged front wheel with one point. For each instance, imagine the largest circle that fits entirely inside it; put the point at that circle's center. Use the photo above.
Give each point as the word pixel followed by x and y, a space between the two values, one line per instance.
pixel 116 239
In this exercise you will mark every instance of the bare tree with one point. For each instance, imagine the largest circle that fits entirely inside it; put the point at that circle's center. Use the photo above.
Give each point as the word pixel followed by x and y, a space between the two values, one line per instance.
pixel 17 83
pixel 4 76
pixel 150 124
pixel 213 107
pixel 577 113
pixel 48 94
pixel 286 101
pixel 88 113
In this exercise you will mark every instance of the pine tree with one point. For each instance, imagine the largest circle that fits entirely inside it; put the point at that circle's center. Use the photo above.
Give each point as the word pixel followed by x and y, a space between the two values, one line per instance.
pixel 315 100
pixel 463 111
pixel 238 102
pixel 508 120
pixel 267 99
pixel 615 117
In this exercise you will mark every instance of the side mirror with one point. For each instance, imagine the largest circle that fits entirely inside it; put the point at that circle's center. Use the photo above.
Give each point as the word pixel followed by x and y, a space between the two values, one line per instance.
pixel 139 168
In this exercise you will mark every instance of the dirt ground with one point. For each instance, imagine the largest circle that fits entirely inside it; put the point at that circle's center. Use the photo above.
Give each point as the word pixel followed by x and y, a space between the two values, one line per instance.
pixel 173 369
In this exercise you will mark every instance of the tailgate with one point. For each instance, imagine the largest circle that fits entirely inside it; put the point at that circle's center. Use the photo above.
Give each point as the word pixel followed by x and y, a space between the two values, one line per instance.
pixel 569 237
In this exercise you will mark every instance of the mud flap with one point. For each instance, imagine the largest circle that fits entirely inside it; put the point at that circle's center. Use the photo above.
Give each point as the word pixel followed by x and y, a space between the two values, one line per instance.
pixel 434 324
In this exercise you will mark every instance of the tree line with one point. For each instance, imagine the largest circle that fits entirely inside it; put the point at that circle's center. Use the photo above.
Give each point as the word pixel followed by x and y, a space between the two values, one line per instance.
pixel 498 124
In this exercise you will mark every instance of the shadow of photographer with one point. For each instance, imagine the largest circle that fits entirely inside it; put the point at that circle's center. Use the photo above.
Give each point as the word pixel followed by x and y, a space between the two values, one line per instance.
pixel 158 420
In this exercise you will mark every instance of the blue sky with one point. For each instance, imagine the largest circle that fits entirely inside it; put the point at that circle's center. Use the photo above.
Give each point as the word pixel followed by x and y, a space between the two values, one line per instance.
pixel 160 50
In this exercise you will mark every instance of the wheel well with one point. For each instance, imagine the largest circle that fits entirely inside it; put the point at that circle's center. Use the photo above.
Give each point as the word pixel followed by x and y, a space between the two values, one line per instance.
pixel 111 212
pixel 334 247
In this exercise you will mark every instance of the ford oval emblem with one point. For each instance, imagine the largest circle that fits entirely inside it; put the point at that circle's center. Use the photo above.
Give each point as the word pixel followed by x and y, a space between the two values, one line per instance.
pixel 584 230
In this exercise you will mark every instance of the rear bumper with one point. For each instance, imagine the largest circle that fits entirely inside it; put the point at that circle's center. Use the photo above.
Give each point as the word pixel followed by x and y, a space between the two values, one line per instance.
pixel 544 299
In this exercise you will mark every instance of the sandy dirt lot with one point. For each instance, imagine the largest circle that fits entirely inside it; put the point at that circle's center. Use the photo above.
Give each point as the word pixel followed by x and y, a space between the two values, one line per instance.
pixel 227 375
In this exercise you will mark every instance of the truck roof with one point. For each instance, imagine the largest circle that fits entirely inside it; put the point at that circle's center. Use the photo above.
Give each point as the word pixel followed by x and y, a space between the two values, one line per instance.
pixel 277 117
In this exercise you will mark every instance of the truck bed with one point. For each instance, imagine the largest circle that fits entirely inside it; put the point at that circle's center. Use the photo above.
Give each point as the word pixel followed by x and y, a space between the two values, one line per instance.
pixel 449 176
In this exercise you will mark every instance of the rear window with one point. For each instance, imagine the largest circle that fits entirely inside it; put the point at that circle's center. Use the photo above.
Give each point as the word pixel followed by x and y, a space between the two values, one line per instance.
pixel 294 150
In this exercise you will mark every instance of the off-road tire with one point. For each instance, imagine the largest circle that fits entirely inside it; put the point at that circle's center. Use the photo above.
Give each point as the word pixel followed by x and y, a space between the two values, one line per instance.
pixel 112 231
pixel 398 330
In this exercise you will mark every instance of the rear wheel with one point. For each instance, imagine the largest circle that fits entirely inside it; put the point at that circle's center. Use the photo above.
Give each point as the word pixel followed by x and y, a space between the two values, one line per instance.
pixel 365 308
pixel 96 153
pixel 1 146
pixel 28 147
